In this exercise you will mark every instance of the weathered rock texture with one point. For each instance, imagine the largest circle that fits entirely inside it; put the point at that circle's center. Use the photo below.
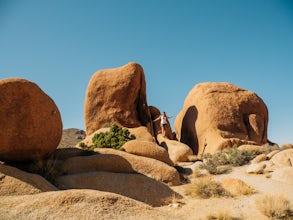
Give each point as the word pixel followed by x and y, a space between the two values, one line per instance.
pixel 148 149
pixel 142 134
pixel 31 125
pixel 118 161
pixel 135 186
pixel 283 158
pixel 217 115
pixel 75 204
pixel 116 96
pixel 178 152
pixel 17 182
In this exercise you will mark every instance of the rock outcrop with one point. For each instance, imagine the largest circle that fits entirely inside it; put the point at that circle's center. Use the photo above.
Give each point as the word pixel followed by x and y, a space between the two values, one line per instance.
pixel 148 149
pixel 283 158
pixel 17 182
pixel 75 204
pixel 135 186
pixel 121 162
pixel 31 125
pixel 178 152
pixel 218 115
pixel 116 95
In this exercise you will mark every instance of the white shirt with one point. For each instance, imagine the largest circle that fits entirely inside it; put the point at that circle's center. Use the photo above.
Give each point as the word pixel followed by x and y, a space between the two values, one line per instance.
pixel 163 120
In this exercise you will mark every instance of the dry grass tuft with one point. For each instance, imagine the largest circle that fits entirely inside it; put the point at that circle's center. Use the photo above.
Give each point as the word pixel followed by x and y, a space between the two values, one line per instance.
pixel 274 206
pixel 221 215
pixel 237 187
pixel 205 187
pixel 176 202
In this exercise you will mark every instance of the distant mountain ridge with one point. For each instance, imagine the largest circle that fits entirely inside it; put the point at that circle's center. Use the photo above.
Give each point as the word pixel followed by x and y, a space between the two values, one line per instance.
pixel 71 137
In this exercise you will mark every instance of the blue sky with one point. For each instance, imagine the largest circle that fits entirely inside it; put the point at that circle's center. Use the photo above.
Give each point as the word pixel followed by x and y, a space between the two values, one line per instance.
pixel 59 44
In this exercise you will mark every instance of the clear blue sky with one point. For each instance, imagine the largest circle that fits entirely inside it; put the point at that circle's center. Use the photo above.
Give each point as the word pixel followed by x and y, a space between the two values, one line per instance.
pixel 59 44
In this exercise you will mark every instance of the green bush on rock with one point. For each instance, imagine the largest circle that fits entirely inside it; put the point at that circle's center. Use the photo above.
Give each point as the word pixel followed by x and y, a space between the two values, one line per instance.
pixel 113 139
pixel 218 163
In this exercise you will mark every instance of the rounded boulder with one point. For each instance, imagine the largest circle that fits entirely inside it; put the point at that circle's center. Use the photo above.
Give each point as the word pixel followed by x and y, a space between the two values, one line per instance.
pixel 217 115
pixel 31 125
pixel 116 95
pixel 148 149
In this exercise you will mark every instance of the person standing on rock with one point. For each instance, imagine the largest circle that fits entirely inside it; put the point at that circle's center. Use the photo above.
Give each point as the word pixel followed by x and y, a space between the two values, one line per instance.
pixel 163 117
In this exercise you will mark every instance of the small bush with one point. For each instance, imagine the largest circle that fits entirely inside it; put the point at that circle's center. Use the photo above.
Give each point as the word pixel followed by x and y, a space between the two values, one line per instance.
pixel 230 156
pixel 274 207
pixel 213 167
pixel 206 187
pixel 237 187
pixel 47 168
pixel 222 215
pixel 113 139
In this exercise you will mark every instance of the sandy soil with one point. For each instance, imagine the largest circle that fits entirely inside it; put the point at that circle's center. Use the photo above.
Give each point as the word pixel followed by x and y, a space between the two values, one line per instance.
pixel 241 207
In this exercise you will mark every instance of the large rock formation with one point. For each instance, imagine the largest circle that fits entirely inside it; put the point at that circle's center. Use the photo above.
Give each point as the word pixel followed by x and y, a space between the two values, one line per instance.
pixel 121 162
pixel 31 125
pixel 116 96
pixel 218 115
pixel 135 186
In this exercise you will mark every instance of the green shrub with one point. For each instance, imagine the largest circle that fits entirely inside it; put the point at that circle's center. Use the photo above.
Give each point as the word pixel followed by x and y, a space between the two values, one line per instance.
pixel 230 157
pixel 113 139
pixel 215 169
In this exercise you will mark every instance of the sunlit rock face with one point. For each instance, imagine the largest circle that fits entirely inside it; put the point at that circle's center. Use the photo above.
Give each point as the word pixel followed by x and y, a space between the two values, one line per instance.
pixel 216 115
pixel 116 95
pixel 31 125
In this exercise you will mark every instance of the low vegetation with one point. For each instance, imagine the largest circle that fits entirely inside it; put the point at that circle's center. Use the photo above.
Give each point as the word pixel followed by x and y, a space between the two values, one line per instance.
pixel 205 187
pixel 221 162
pixel 237 187
pixel 222 215
pixel 274 207
pixel 115 138
pixel 47 168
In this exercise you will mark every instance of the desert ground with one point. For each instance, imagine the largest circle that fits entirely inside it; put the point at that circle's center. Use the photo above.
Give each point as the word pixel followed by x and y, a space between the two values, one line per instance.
pixel 240 207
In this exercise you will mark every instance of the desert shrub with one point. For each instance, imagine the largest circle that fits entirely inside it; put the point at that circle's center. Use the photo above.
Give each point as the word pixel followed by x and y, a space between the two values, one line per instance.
pixel 229 156
pixel 83 145
pixel 237 187
pixel 221 215
pixel 206 187
pixel 115 138
pixel 213 166
pixel 274 207
pixel 46 168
